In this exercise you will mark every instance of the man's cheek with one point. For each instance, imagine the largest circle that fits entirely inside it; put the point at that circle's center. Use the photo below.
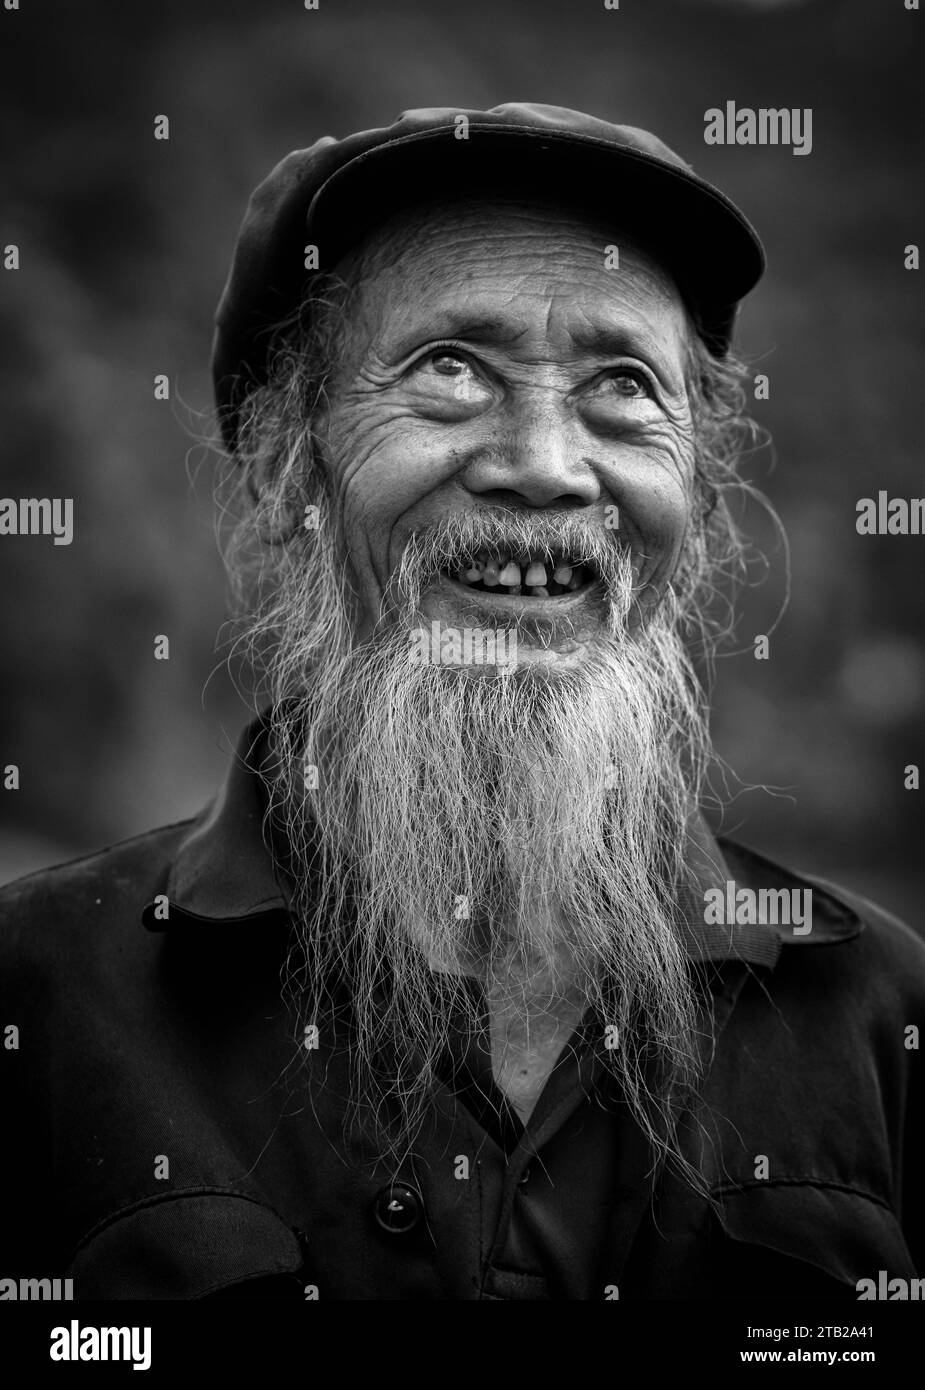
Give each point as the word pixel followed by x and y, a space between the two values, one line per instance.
pixel 378 480
pixel 389 465
pixel 652 489
pixel 380 441
pixel 366 524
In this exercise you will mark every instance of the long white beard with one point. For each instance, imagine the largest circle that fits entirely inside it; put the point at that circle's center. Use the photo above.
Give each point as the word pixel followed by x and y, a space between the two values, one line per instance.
pixel 526 830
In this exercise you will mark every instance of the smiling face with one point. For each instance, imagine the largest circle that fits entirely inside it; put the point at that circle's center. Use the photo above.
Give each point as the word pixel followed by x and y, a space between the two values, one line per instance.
pixel 496 367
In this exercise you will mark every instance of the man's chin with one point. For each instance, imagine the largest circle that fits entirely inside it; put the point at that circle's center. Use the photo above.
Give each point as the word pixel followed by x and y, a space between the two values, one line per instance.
pixel 495 632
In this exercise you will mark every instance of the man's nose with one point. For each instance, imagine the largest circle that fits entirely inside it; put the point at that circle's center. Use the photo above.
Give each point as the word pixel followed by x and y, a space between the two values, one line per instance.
pixel 537 461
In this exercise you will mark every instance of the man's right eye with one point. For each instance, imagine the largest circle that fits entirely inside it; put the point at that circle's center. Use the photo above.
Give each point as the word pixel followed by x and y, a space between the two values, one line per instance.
pixel 450 381
pixel 447 363
pixel 454 367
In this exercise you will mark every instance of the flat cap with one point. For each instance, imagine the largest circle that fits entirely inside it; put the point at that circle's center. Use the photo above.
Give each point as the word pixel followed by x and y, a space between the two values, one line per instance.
pixel 333 193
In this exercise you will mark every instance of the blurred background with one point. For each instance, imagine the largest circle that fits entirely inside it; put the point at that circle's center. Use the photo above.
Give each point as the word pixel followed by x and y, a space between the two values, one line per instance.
pixel 125 242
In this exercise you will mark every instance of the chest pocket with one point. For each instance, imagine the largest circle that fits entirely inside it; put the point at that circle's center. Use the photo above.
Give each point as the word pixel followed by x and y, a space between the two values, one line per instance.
pixel 804 1240
pixel 189 1246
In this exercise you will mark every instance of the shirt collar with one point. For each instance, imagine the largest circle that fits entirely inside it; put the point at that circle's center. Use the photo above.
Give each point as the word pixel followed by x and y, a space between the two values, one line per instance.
pixel 223 872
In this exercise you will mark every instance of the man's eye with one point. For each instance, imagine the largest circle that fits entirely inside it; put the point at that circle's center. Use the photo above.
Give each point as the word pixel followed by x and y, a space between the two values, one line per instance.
pixel 445 376
pixel 448 363
pixel 631 385
pixel 452 366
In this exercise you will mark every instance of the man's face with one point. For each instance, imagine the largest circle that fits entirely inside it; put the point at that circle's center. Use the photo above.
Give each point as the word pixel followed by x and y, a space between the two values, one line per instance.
pixel 493 360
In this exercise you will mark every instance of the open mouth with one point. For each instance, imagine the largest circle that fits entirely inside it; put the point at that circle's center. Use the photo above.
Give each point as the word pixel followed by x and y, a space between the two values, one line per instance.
pixel 545 576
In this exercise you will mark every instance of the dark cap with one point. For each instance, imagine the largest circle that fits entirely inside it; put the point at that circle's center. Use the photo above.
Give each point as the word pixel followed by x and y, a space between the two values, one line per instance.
pixel 333 193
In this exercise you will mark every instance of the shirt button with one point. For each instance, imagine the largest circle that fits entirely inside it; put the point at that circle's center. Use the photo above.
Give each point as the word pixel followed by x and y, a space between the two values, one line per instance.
pixel 524 1178
pixel 398 1208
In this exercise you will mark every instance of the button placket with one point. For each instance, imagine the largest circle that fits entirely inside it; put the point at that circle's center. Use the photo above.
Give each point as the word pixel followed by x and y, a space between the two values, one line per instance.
pixel 398 1208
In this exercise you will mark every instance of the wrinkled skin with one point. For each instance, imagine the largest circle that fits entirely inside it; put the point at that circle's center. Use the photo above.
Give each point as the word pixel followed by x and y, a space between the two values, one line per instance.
pixel 492 358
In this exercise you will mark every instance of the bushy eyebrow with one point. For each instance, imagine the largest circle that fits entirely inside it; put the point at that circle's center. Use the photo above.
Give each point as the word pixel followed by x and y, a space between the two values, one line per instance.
pixel 601 340
pixel 493 331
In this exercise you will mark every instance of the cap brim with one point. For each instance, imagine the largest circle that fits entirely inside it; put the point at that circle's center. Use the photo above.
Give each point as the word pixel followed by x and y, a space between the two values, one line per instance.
pixel 709 247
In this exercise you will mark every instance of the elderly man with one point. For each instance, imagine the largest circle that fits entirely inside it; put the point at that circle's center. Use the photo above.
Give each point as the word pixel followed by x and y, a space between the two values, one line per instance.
pixel 451 993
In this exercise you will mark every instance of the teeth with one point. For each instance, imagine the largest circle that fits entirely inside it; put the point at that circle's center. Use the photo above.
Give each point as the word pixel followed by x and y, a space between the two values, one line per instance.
pixel 536 577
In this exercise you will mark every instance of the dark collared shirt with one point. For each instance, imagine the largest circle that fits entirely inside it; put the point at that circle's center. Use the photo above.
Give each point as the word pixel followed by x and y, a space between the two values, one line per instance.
pixel 160 1142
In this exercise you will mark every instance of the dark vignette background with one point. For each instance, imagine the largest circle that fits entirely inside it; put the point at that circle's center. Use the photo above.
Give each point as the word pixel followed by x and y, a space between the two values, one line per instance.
pixel 125 243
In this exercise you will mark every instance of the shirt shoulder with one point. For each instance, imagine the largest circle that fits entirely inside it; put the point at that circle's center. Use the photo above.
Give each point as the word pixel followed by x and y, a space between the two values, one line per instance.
pixel 79 904
pixel 850 934
pixel 888 944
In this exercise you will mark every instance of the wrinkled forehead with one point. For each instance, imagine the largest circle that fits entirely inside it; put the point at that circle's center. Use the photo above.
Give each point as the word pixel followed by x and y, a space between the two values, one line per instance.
pixel 515 268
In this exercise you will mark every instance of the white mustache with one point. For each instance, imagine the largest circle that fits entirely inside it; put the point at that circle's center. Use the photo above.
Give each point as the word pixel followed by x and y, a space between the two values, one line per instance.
pixel 451 542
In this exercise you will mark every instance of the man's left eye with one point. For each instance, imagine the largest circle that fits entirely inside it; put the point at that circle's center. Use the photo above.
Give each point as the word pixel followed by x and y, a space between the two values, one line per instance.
pixel 630 385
